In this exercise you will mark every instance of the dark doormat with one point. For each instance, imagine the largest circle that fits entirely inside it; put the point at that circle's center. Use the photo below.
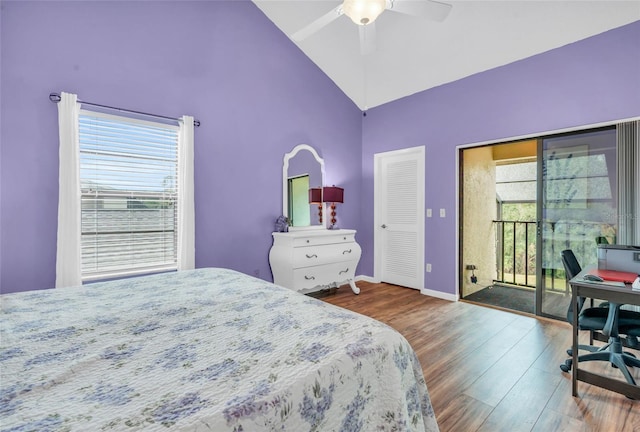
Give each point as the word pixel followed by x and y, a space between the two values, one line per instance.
pixel 505 297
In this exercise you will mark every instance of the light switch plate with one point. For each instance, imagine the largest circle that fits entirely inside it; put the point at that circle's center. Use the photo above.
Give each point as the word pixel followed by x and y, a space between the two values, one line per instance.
pixel 429 212
pixel 442 213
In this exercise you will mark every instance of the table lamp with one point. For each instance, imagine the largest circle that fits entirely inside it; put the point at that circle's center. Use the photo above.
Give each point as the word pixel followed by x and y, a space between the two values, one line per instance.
pixel 333 195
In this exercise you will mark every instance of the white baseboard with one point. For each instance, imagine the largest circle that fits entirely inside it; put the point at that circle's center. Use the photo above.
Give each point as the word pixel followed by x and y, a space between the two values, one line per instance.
pixel 423 291
pixel 440 295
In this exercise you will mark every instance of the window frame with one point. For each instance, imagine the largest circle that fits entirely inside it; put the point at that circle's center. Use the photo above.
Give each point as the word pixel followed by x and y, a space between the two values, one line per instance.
pixel 100 271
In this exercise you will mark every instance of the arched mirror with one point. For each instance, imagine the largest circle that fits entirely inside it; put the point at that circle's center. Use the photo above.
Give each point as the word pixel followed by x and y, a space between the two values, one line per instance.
pixel 302 169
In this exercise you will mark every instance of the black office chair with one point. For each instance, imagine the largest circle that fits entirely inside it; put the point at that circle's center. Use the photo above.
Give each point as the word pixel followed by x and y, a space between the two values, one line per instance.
pixel 592 319
pixel 610 321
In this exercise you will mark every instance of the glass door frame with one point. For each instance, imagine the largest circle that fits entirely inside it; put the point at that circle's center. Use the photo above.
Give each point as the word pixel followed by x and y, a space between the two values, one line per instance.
pixel 541 278
pixel 540 136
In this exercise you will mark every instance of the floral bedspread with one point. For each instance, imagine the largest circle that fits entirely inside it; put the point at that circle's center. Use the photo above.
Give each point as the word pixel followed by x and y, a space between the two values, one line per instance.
pixel 201 350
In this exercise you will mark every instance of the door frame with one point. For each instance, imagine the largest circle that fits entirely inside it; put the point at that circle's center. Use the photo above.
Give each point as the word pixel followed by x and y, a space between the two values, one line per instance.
pixel 419 152
pixel 459 197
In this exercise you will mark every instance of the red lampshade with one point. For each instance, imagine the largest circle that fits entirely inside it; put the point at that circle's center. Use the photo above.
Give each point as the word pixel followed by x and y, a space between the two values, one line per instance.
pixel 333 194
pixel 315 196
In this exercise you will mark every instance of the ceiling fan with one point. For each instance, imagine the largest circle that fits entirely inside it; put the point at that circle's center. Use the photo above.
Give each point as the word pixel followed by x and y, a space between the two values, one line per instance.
pixel 364 13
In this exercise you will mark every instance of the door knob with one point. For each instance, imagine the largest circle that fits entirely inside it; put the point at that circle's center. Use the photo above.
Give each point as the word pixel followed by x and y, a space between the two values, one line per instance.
pixel 383 226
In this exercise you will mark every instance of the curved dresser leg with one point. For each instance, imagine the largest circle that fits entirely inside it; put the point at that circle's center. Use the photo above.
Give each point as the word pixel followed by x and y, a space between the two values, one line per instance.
pixel 353 286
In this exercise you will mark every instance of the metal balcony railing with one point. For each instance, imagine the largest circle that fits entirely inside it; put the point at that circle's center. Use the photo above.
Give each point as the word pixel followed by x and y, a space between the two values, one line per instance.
pixel 516 249
pixel 515 252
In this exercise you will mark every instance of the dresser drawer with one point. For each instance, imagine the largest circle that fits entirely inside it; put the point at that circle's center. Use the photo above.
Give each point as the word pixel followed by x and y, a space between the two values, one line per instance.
pixel 323 240
pixel 309 277
pixel 306 261
pixel 324 254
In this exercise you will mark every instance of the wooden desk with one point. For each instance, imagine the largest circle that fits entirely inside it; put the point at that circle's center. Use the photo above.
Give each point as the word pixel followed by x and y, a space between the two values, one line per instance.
pixel 612 294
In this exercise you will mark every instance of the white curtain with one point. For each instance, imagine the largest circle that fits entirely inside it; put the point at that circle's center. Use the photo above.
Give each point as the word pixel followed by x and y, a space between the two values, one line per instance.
pixel 68 257
pixel 186 206
pixel 628 137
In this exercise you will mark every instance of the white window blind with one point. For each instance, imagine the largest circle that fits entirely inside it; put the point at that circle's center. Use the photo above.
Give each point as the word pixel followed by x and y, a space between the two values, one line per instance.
pixel 128 182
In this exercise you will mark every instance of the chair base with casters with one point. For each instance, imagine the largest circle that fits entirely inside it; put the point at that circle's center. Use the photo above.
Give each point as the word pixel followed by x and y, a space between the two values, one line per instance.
pixel 618 322
pixel 612 352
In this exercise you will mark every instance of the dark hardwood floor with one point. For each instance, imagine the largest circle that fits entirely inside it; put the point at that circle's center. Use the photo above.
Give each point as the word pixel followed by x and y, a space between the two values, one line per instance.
pixel 492 370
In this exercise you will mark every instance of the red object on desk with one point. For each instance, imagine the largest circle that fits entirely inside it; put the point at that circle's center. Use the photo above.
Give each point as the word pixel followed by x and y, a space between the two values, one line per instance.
pixel 614 275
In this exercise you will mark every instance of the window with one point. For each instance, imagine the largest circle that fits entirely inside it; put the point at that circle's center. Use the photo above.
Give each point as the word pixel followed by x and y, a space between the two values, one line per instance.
pixel 129 195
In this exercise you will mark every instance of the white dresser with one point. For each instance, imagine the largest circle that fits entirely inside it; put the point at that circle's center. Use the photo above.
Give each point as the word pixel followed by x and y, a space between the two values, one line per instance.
pixel 309 260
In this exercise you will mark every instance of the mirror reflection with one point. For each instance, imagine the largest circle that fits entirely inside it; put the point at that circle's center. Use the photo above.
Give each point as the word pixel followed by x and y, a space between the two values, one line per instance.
pixel 303 169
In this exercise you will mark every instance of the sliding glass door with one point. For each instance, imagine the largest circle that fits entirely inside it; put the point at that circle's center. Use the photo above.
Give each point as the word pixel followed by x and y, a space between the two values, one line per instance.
pixel 577 208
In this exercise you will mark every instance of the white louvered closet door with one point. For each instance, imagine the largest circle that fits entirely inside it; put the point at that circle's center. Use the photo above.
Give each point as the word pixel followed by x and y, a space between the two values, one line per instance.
pixel 399 217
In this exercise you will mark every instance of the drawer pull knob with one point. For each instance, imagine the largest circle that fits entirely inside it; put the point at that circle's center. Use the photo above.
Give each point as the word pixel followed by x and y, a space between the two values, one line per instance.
pixel 346 251
pixel 344 271
pixel 309 277
pixel 311 256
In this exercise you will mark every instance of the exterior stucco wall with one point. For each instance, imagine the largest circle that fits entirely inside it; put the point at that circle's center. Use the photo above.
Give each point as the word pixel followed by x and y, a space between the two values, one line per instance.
pixel 479 211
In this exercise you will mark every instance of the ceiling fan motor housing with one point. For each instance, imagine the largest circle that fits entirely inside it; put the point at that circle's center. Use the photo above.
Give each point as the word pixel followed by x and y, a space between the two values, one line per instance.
pixel 363 12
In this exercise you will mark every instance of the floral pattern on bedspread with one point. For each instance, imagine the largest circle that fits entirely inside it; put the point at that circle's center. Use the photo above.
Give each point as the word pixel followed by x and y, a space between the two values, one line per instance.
pixel 202 350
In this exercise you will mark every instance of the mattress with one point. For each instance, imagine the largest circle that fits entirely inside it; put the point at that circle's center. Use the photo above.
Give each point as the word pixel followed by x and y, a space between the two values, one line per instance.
pixel 202 350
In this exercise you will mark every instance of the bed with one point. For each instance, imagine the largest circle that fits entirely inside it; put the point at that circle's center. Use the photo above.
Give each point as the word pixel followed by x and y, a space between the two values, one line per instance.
pixel 202 350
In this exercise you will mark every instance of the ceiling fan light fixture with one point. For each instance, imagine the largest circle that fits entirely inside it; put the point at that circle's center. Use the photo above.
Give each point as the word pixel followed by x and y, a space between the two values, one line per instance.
pixel 363 12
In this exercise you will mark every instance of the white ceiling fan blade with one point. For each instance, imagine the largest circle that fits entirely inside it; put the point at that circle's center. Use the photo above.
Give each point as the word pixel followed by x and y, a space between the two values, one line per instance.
pixel 426 9
pixel 367 38
pixel 316 25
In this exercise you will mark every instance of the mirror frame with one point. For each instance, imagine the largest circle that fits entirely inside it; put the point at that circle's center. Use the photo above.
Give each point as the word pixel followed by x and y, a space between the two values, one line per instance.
pixel 285 178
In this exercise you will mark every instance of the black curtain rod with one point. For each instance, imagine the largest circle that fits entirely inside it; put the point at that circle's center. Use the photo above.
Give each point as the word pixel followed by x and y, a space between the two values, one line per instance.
pixel 55 97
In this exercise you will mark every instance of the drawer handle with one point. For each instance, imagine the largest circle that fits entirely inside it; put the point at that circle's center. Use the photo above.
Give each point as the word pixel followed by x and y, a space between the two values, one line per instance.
pixel 346 251
pixel 311 256
pixel 343 271
pixel 309 277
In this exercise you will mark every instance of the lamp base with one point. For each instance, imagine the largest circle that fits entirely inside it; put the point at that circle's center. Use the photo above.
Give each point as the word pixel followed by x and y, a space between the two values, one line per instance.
pixel 333 216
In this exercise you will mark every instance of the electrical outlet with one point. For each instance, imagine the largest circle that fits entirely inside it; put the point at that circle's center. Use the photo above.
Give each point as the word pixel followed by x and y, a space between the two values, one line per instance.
pixel 428 268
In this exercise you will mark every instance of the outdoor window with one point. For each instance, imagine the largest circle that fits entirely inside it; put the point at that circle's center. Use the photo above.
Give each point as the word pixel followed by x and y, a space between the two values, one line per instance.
pixel 129 195
pixel 125 195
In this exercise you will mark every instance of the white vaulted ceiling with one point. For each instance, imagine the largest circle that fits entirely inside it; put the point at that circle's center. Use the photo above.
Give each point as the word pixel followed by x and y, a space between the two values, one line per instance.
pixel 413 54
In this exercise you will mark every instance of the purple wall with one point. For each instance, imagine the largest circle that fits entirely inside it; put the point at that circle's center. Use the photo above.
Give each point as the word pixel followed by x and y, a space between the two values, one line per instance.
pixel 225 63
pixel 591 81
pixel 257 96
